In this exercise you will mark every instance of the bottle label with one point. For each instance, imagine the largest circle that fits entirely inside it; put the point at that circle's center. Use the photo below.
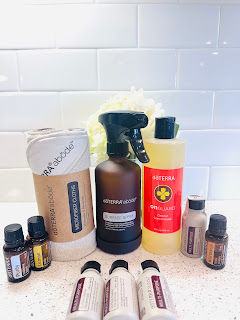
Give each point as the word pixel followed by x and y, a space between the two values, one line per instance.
pixel 162 199
pixel 65 202
pixel 120 292
pixel 85 297
pixel 215 253
pixel 194 244
pixel 77 295
pixel 74 206
pixel 40 255
pixel 119 221
pixel 18 265
pixel 154 293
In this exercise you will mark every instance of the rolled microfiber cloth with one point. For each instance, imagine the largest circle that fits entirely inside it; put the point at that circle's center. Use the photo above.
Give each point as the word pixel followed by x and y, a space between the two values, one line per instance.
pixel 60 161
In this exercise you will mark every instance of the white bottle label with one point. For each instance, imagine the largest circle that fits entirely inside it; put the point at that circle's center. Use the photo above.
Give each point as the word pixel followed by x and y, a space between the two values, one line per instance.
pixel 120 295
pixel 119 217
pixel 20 265
pixel 154 294
pixel 193 240
pixel 16 267
pixel 86 295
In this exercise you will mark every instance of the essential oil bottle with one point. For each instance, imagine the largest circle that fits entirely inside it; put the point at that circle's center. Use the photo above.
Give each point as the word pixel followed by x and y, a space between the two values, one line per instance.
pixel 38 242
pixel 216 242
pixel 16 255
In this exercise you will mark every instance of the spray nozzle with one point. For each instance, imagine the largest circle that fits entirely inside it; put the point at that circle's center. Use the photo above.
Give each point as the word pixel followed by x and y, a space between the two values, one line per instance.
pixel 121 126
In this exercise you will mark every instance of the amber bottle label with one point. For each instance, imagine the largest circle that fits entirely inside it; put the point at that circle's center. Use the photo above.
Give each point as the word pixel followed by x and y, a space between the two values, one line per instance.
pixel 215 253
pixel 40 255
pixel 17 266
pixel 162 199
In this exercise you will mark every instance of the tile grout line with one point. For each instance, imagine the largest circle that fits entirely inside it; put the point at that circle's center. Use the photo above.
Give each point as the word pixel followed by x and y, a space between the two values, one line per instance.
pixel 219 26
pixel 18 72
pixel 208 184
pixel 97 69
pixel 214 110
pixel 178 70
pixel 137 29
pixel 60 109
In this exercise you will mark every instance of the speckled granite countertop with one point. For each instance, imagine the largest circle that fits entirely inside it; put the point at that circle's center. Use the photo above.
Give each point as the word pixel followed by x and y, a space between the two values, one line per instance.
pixel 198 292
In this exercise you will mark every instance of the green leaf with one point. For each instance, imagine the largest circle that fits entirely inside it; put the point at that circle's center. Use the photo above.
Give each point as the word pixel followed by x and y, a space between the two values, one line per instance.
pixel 176 129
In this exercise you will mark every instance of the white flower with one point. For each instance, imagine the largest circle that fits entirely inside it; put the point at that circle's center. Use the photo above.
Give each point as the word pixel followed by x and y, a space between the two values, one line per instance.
pixel 135 101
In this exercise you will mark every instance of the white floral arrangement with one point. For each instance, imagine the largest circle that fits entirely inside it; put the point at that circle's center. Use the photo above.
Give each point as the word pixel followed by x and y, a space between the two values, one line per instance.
pixel 135 101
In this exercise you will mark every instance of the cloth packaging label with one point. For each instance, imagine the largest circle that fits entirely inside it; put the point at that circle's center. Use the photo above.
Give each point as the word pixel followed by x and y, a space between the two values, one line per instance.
pixel 65 202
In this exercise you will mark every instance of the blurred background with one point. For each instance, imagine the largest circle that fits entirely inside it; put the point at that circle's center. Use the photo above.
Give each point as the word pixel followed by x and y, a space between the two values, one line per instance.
pixel 60 60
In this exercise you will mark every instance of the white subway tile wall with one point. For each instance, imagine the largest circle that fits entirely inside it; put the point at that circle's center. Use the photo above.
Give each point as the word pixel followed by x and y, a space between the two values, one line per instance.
pixel 88 26
pixel 229 32
pixel 227 110
pixel 209 69
pixel 9 80
pixel 23 111
pixel 151 69
pixel 174 26
pixel 13 145
pixel 60 60
pixel 230 189
pixel 29 27
pixel 57 70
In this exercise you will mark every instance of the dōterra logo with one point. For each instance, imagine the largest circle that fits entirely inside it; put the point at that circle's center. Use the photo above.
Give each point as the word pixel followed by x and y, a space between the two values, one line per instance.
pixel 57 160
pixel 116 201
pixel 163 193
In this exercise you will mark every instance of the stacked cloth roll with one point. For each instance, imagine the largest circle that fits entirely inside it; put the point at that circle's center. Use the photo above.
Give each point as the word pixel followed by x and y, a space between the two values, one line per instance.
pixel 60 161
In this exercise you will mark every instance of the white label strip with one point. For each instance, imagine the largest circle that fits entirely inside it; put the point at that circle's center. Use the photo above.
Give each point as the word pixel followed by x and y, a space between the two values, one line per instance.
pixel 119 217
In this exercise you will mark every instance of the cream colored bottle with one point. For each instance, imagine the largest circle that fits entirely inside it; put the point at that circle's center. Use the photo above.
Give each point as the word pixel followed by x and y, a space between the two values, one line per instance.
pixel 154 296
pixel 162 189
pixel 194 225
pixel 120 296
pixel 87 298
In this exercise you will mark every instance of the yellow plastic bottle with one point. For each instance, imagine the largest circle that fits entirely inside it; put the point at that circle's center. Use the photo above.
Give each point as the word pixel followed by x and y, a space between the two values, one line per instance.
pixel 162 189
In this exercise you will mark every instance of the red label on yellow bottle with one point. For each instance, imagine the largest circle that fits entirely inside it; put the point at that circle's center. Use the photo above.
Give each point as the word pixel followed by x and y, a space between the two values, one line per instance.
pixel 162 199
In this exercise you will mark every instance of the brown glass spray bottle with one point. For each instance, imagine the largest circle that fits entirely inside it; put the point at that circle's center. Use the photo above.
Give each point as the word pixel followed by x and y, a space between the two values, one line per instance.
pixel 118 183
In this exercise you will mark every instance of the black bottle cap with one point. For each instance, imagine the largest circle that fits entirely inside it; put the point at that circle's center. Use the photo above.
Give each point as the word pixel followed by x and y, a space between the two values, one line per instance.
pixel 121 126
pixel 196 202
pixel 117 149
pixel 149 264
pixel 13 235
pixel 118 264
pixel 91 265
pixel 165 128
pixel 217 224
pixel 36 227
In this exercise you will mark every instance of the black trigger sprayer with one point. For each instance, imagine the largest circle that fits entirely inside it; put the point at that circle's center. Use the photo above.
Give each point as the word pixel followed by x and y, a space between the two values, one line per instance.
pixel 118 183
pixel 121 126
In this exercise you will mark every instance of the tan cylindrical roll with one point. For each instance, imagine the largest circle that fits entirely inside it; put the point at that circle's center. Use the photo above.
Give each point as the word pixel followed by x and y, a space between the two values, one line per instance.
pixel 60 161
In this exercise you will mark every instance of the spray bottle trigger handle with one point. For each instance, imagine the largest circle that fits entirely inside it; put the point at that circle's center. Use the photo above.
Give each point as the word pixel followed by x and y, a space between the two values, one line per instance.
pixel 135 138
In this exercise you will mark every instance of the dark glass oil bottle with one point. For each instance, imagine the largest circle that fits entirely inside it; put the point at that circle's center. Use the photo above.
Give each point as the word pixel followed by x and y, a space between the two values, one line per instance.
pixel 16 254
pixel 38 242
pixel 216 242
